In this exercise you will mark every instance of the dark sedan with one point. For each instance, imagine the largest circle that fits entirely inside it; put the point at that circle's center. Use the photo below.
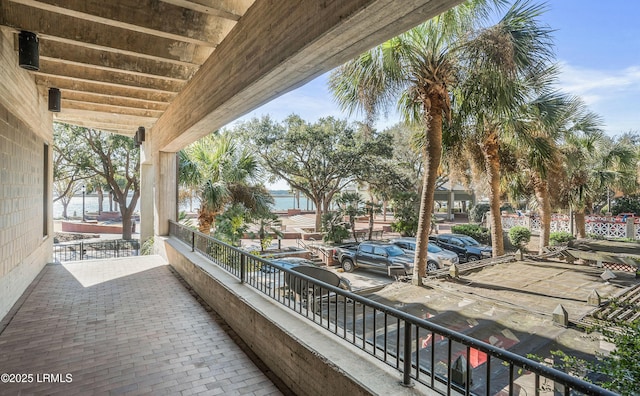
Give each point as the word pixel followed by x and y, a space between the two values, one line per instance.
pixel 467 248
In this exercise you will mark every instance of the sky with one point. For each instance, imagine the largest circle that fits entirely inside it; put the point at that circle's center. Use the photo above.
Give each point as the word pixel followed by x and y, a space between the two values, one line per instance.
pixel 597 45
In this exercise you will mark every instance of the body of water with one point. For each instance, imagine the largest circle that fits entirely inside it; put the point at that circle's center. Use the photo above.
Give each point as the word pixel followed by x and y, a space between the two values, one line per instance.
pixel 90 204
pixel 282 202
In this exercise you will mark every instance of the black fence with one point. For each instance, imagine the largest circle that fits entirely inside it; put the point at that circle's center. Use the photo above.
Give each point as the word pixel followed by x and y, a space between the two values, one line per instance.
pixel 95 250
pixel 422 351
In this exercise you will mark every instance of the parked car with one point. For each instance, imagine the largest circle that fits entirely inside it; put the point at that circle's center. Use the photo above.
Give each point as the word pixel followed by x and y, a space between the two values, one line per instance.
pixel 467 248
pixel 436 256
pixel 382 256
pixel 303 266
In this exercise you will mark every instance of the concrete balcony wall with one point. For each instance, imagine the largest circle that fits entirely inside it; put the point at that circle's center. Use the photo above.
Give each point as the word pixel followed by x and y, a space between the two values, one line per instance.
pixel 25 193
pixel 308 359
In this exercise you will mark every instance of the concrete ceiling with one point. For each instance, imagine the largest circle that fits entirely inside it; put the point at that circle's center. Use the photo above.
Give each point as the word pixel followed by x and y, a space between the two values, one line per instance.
pixel 183 68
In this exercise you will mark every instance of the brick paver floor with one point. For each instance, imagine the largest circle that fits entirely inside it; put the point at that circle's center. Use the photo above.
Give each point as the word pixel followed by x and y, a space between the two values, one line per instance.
pixel 121 326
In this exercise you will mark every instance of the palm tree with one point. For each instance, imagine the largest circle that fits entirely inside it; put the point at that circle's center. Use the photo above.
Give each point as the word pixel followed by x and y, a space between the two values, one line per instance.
pixel 505 66
pixel 561 116
pixel 549 118
pixel 593 164
pixel 350 204
pixel 417 70
pixel 223 174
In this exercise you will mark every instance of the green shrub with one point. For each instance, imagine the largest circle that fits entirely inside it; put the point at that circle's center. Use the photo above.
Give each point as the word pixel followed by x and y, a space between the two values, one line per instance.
pixel 334 228
pixel 480 234
pixel 405 228
pixel 147 247
pixel 628 204
pixel 406 205
pixel 519 236
pixel 477 212
pixel 560 237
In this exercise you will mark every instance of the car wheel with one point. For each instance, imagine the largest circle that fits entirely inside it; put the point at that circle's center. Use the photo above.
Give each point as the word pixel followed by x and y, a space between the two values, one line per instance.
pixel 432 266
pixel 347 265
pixel 473 258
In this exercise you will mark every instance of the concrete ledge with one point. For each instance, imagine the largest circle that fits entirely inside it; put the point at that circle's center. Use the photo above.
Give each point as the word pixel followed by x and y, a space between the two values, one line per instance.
pixel 309 360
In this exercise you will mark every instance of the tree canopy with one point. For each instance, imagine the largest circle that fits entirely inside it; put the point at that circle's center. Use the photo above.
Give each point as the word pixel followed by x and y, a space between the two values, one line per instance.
pixel 319 159
pixel 113 158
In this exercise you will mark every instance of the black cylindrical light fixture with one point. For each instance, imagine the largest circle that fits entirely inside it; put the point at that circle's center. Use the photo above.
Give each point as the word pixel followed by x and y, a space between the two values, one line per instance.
pixel 54 100
pixel 28 56
pixel 139 138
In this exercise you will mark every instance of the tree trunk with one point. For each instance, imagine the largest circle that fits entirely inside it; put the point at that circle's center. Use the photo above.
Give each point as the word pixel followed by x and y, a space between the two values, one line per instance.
pixel 352 223
pixel 384 210
pixel 126 226
pixel 100 198
pixel 431 155
pixel 371 215
pixel 205 219
pixel 126 211
pixel 580 223
pixel 318 203
pixel 64 210
pixel 110 201
pixel 492 163
pixel 541 188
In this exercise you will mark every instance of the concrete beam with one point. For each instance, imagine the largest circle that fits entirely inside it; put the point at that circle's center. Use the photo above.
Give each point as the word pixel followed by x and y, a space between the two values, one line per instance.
pixel 229 9
pixel 54 67
pixel 145 16
pixel 98 36
pixel 73 53
pixel 276 47
pixel 90 97
pixel 115 90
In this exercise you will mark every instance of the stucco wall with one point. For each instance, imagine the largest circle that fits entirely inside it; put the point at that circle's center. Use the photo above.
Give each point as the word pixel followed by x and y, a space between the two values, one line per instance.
pixel 25 127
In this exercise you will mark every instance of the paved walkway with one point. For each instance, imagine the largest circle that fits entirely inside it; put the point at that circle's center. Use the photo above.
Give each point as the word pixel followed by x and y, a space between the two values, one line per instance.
pixel 121 326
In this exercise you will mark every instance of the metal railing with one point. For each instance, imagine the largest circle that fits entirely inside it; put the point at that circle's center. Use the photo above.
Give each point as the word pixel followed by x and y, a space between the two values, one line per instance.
pixel 95 250
pixel 421 350
pixel 313 248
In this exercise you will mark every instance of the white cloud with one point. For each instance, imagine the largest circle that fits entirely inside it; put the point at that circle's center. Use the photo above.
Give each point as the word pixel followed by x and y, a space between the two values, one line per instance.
pixel 594 85
pixel 612 94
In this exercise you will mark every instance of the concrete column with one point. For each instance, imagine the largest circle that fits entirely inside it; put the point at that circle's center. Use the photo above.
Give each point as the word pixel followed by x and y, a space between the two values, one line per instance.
pixel 630 228
pixel 146 190
pixel 146 201
pixel 166 191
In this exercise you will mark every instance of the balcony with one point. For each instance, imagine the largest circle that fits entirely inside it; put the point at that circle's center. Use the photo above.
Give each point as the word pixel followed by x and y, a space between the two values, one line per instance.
pixel 135 326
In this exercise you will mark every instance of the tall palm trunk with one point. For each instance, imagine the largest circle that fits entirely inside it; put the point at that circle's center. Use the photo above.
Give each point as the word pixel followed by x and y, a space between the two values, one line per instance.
pixel 492 164
pixel 581 223
pixel 432 153
pixel 205 219
pixel 541 188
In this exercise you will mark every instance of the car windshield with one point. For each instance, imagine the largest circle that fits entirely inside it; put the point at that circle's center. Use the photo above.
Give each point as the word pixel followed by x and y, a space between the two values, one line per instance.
pixel 433 248
pixel 470 241
pixel 393 250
